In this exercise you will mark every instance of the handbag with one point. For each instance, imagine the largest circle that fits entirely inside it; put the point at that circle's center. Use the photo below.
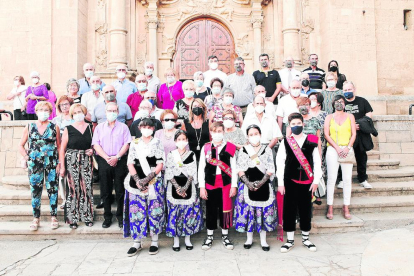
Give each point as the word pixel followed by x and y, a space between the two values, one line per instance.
pixel 94 162
pixel 350 157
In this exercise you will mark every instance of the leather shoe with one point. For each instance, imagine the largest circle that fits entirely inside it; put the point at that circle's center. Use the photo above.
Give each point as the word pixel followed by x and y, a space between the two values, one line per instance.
pixel 107 223
pixel 247 246
pixel 189 247
pixel 153 250
pixel 100 205
pixel 266 248
pixel 120 224
pixel 176 249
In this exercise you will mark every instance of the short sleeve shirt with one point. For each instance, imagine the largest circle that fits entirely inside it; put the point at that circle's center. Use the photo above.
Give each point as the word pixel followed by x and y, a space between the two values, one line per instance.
pixel 268 80
pixel 358 107
pixel 99 113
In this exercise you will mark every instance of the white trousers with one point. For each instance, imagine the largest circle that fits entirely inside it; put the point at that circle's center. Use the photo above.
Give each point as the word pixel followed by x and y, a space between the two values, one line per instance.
pixel 332 166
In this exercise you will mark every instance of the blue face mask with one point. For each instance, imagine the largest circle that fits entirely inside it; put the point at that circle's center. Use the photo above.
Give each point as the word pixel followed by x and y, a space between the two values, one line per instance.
pixel 297 130
pixel 349 95
pixel 152 101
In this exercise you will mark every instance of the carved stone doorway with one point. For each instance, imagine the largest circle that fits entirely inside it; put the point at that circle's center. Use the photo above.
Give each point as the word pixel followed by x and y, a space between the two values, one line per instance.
pixel 197 41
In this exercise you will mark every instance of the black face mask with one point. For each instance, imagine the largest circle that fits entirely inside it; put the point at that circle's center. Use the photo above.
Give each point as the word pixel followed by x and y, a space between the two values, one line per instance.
pixel 305 83
pixel 197 111
pixel 333 69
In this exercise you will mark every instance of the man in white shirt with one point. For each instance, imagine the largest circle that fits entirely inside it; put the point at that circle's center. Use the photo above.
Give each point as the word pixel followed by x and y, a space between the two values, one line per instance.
pixel 153 81
pixel 298 173
pixel 287 105
pixel 288 74
pixel 155 111
pixel 92 98
pixel 270 130
pixel 217 178
pixel 269 108
pixel 214 72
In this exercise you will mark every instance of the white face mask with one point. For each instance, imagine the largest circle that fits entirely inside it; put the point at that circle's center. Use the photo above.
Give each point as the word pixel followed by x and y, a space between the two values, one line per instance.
pixel 228 100
pixel 170 79
pixel 121 75
pixel 213 65
pixel 142 86
pixel 313 104
pixel 146 132
pixel 80 117
pixel 295 92
pixel 149 71
pixel 199 83
pixel 42 115
pixel 35 80
pixel 228 123
pixel 217 137
pixel 143 113
pixel 263 95
pixel 259 109
pixel 88 74
pixel 111 116
pixel 169 125
pixel 181 144
pixel 95 86
pixel 216 90
pixel 254 140
pixel 16 83
pixel 331 84
pixel 189 94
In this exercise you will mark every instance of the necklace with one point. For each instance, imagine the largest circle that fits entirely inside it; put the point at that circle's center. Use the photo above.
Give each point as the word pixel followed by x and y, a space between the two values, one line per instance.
pixel 198 138
pixel 171 92
pixel 168 137
pixel 185 151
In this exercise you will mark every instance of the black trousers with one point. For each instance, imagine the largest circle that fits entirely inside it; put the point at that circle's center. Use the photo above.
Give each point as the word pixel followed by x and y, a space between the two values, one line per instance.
pixel 298 200
pixel 17 115
pixel 361 161
pixel 31 117
pixel 214 209
pixel 109 178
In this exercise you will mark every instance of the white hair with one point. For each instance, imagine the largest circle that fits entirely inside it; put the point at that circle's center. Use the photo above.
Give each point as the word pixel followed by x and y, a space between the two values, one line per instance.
pixel 112 104
pixel 197 74
pixel 34 74
pixel 149 63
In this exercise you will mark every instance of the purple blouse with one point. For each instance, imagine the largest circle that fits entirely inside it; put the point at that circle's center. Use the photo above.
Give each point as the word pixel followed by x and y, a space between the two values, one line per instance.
pixel 40 91
pixel 167 96
pixel 169 144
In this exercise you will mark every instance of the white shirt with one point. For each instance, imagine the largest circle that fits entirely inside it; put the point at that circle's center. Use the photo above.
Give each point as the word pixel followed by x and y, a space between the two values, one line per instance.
pixel 202 165
pixel 284 76
pixel 281 158
pixel 89 100
pixel 268 126
pixel 269 110
pixel 287 105
pixel 210 74
pixel 154 84
pixel 19 101
pixel 156 114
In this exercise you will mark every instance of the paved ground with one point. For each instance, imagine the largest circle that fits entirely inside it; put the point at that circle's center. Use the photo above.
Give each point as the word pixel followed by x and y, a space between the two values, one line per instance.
pixel 359 253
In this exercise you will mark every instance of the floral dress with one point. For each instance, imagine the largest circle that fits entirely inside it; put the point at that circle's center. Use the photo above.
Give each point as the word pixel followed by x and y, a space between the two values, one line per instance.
pixel 184 213
pixel 43 159
pixel 255 210
pixel 144 213
pixel 218 112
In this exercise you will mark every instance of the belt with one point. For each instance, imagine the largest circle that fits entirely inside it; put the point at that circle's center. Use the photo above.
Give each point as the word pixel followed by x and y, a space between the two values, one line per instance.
pixel 244 106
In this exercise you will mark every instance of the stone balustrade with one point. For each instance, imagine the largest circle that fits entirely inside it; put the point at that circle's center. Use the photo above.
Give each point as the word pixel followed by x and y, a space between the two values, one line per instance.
pixel 395 141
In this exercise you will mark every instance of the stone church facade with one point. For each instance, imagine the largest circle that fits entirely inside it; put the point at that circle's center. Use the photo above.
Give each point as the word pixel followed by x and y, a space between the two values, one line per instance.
pixel 372 40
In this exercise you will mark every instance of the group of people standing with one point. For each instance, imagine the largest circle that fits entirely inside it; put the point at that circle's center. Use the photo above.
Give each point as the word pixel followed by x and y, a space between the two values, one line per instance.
pixel 182 156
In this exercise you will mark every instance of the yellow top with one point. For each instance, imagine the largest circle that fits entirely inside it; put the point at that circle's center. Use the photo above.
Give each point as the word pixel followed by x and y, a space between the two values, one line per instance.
pixel 341 134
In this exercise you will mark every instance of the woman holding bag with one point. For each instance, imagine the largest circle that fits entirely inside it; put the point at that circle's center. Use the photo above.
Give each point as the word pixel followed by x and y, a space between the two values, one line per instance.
pixel 340 133
pixel 76 160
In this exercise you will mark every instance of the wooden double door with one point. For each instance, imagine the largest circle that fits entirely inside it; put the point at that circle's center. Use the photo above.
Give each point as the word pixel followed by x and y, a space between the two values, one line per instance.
pixel 197 41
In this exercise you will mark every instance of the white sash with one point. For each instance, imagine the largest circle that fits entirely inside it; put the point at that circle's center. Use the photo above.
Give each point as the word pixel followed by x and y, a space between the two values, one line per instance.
pixel 147 170
pixel 251 152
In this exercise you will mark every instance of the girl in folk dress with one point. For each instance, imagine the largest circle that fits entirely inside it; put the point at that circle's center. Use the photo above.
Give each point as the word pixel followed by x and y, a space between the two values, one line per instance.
pixel 184 211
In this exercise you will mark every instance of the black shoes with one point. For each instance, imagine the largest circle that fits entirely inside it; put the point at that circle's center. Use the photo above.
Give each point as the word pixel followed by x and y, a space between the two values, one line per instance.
pixel 247 246
pixel 189 247
pixel 266 248
pixel 100 205
pixel 153 250
pixel 107 223
pixel 120 224
pixel 176 249
pixel 133 251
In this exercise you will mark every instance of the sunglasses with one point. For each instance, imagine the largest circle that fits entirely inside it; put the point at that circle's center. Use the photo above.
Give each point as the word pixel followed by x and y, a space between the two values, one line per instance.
pixel 228 118
pixel 170 120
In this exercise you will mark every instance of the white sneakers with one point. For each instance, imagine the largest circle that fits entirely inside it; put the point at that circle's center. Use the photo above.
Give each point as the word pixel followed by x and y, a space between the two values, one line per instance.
pixel 366 185
pixel 340 185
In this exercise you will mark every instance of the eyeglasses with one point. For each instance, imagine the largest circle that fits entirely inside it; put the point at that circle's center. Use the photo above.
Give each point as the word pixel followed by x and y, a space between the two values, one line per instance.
pixel 150 98
pixel 64 105
pixel 228 118
pixel 141 81
pixel 109 91
pixel 170 120
pixel 121 70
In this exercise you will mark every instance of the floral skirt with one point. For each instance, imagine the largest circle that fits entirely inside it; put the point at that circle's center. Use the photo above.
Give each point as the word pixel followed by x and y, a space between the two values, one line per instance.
pixel 143 215
pixel 184 216
pixel 254 215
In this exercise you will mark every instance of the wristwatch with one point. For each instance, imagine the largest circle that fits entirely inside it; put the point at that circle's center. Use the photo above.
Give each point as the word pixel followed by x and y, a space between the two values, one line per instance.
pixel 117 157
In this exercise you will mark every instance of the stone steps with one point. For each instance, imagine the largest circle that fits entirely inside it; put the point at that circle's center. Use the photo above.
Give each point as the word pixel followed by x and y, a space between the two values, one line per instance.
pixel 381 164
pixel 375 204
pixel 320 225
pixel 373 155
pixel 401 174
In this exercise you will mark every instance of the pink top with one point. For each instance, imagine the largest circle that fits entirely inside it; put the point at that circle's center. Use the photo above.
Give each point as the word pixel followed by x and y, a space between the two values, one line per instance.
pixel 134 100
pixel 167 96
pixel 52 99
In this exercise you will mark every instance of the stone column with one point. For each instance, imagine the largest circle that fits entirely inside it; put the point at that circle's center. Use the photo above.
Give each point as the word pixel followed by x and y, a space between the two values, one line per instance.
pixel 152 22
pixel 117 33
pixel 257 20
pixel 291 30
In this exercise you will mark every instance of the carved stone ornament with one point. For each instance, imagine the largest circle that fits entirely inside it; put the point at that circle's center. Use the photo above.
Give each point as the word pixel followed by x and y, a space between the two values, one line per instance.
pixel 101 3
pixel 101 53
pixel 257 22
pixel 142 46
pixel 243 45
pixel 168 47
pixel 269 48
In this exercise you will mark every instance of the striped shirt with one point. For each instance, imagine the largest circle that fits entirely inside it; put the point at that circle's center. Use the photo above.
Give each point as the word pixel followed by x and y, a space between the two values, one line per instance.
pixel 316 77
